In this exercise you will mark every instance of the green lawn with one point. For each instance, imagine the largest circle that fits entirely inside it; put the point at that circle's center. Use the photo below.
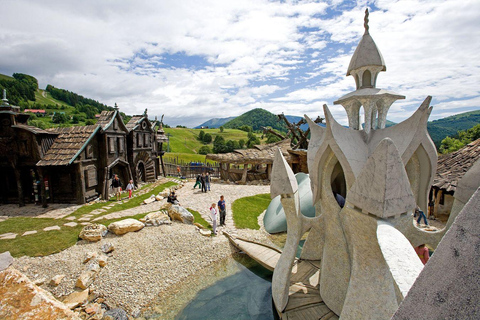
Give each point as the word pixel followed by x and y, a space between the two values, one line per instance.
pixel 245 211
pixel 186 140
pixel 170 157
pixel 199 219
pixel 47 242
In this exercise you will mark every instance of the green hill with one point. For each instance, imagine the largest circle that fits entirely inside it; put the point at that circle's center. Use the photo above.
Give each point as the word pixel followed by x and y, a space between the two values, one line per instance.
pixel 257 118
pixel 215 123
pixel 449 126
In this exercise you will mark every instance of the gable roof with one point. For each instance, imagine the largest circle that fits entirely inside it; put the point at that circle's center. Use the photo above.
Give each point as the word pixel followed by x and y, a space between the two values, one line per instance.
pixel 135 121
pixel 68 145
pixel 257 154
pixel 32 129
pixel 107 117
pixel 452 167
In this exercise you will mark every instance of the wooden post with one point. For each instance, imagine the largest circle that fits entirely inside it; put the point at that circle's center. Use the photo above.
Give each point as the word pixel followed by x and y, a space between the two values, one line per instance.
pixel 269 171
pixel 43 194
pixel 18 177
pixel 244 174
pixel 80 177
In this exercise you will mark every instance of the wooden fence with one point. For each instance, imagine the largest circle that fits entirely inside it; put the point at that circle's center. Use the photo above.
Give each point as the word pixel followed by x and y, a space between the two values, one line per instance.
pixel 191 169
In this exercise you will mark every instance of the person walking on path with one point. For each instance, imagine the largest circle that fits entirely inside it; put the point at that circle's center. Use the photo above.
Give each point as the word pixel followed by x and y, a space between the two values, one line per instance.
pixel 223 210
pixel 207 181
pixel 129 188
pixel 198 183
pixel 204 184
pixel 423 253
pixel 179 172
pixel 117 186
pixel 420 216
pixel 213 214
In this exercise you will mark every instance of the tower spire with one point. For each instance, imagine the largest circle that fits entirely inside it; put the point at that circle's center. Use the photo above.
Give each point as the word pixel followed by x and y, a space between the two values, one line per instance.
pixel 365 24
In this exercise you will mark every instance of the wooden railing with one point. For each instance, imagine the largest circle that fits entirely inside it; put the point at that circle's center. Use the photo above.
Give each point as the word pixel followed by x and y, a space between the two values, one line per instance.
pixel 191 169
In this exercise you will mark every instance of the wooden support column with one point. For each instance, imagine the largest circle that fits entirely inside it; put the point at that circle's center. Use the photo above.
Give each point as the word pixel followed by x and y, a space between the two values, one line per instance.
pixel 228 171
pixel 18 177
pixel 43 193
pixel 438 195
pixel 244 174
pixel 80 177
pixel 269 171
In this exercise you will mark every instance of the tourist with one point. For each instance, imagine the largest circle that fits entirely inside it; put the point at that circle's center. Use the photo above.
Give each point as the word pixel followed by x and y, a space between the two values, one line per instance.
pixel 203 181
pixel 420 216
pixel 340 199
pixel 213 214
pixel 172 198
pixel 207 181
pixel 129 188
pixel 423 253
pixel 198 182
pixel 117 186
pixel 223 210
pixel 179 172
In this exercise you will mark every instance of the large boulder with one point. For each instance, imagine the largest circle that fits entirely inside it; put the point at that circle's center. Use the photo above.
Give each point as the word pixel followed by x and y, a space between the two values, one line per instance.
pixel 156 219
pixel 21 299
pixel 93 232
pixel 85 279
pixel 6 260
pixel 76 298
pixel 125 226
pixel 181 214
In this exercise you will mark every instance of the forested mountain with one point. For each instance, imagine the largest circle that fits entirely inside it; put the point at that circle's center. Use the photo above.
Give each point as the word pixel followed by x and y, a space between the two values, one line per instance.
pixel 449 126
pixel 214 123
pixel 257 118
pixel 20 88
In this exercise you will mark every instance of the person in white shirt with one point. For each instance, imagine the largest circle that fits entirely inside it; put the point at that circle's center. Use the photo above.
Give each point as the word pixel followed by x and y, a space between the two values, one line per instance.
pixel 213 214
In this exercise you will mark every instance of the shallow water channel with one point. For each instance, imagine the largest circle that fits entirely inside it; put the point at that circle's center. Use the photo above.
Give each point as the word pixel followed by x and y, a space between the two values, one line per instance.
pixel 234 288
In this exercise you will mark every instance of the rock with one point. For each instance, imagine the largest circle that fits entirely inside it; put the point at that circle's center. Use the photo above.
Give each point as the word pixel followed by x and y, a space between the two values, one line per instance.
pixel 107 247
pixel 76 299
pixel 102 261
pixel 164 194
pixel 93 266
pixel 181 214
pixel 93 308
pixel 199 225
pixel 89 256
pixel 158 198
pixel 6 260
pixel 70 224
pixel 93 232
pixel 51 228
pixel 205 232
pixel 125 226
pixel 115 314
pixel 21 299
pixel 55 281
pixel 156 219
pixel 26 233
pixel 39 282
pixel 149 200
pixel 85 279
pixel 98 316
pixel 8 236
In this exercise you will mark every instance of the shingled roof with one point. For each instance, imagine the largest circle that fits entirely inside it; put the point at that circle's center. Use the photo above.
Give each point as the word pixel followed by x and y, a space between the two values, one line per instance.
pixel 106 118
pixel 134 122
pixel 68 145
pixel 451 167
pixel 258 154
pixel 32 129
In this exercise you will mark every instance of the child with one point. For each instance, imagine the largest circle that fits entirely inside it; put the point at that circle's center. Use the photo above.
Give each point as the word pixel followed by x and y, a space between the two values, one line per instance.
pixel 213 213
pixel 129 188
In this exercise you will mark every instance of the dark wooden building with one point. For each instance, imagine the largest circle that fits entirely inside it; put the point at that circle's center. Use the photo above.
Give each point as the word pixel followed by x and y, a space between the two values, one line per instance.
pixel 141 144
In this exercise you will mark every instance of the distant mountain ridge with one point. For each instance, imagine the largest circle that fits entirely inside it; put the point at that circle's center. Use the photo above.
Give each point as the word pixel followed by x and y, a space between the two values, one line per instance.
pixel 257 118
pixel 214 123
pixel 449 126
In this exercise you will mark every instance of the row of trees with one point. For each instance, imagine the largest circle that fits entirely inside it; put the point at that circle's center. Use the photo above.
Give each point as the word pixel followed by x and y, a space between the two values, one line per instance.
pixel 220 145
pixel 19 90
pixel 461 139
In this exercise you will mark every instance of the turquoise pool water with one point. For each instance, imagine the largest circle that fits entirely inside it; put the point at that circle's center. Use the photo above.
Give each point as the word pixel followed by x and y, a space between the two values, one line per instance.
pixel 235 288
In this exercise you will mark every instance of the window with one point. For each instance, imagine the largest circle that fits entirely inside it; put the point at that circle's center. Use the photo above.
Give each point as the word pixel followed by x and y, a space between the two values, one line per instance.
pixel 89 152
pixel 120 144
pixel 146 139
pixel 111 145
pixel 115 125
pixel 91 176
pixel 139 140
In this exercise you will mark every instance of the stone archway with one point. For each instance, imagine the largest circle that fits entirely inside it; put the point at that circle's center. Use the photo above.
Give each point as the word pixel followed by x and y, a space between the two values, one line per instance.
pixel 141 173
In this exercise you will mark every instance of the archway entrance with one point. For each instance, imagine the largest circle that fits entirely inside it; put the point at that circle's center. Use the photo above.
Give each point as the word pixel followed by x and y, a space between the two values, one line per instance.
pixel 141 173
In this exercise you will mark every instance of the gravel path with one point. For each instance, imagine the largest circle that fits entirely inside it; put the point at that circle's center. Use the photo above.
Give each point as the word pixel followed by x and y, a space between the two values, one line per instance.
pixel 149 261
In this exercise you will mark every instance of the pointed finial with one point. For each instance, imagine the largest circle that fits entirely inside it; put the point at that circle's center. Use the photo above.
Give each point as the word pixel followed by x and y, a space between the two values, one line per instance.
pixel 365 24
pixel 5 101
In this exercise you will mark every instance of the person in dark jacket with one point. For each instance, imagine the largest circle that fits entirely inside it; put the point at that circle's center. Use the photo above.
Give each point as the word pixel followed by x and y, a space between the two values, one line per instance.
pixel 172 198
pixel 198 183
pixel 117 186
pixel 204 183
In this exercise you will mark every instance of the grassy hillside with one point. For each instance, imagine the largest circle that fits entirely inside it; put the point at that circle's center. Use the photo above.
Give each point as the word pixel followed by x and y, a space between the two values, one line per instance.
pixel 5 77
pixel 449 126
pixel 186 140
pixel 215 122
pixel 257 118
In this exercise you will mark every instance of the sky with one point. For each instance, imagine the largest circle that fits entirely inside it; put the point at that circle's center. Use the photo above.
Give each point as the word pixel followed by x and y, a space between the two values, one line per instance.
pixel 196 60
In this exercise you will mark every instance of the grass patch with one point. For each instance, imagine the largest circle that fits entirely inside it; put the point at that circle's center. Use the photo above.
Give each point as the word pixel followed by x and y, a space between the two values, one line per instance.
pixel 245 211
pixel 21 224
pixel 199 219
pixel 42 243
pixel 170 157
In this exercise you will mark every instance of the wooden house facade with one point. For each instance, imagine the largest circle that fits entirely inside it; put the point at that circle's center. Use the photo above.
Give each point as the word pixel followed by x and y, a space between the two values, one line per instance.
pixel 142 148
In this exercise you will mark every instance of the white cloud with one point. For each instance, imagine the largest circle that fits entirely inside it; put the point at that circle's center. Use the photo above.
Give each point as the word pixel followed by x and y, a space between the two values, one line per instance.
pixel 238 55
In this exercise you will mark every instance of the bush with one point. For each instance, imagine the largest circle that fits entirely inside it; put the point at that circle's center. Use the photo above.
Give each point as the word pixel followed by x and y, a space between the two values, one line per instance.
pixel 60 118
pixel 207 138
pixel 205 150
pixel 89 122
pixel 221 128
pixel 201 135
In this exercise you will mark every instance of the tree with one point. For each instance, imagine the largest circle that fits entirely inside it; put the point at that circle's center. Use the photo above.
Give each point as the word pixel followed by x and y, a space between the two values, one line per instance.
pixel 207 138
pixel 201 134
pixel 241 143
pixel 60 118
pixel 205 150
pixel 219 145
pixel 221 129
pixel 246 128
pixel 89 122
